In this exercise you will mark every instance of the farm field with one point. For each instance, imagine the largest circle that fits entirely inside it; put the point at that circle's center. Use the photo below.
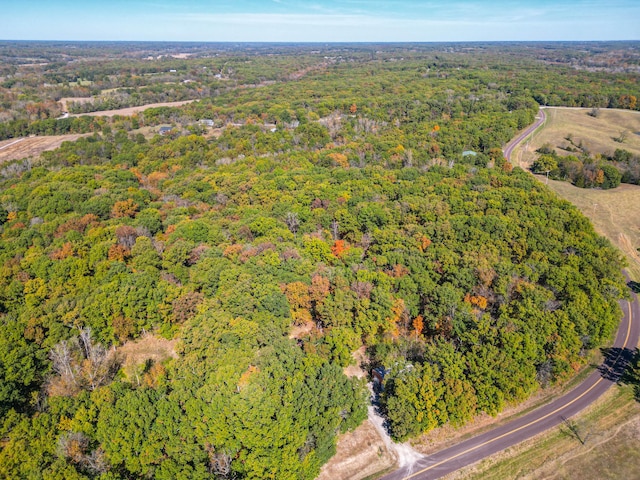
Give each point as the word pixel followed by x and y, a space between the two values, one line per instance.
pixel 614 213
pixel 131 110
pixel 15 149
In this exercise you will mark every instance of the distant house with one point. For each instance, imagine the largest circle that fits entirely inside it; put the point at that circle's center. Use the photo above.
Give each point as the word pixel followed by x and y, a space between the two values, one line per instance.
pixel 467 153
pixel 165 130
pixel 206 121
pixel 172 71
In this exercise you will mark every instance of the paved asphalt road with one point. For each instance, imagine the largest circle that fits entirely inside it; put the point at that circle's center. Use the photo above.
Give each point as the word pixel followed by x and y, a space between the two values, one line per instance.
pixel 544 418
pixel 516 141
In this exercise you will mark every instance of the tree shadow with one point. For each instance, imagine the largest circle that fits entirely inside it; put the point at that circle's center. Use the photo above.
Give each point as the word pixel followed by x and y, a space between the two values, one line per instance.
pixel 634 286
pixel 631 375
pixel 616 361
pixel 573 429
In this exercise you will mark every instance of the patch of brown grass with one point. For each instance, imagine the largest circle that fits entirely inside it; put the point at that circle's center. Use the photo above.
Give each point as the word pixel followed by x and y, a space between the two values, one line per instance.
pixel 18 148
pixel 147 348
pixel 361 454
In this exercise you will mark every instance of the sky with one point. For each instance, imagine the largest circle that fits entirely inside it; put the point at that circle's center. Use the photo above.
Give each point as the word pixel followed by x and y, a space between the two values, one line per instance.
pixel 320 20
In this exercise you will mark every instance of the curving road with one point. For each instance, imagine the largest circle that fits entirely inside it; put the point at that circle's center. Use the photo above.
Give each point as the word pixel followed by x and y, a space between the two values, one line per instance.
pixel 548 416
pixel 536 422
pixel 508 150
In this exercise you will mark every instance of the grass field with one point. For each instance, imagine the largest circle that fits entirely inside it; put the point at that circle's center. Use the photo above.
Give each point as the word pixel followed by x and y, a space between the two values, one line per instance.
pixel 596 134
pixel 614 213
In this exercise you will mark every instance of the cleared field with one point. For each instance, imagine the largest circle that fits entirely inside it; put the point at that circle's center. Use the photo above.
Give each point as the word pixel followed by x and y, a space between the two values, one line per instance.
pixel 614 213
pixel 16 149
pixel 596 134
pixel 131 110
pixel 66 101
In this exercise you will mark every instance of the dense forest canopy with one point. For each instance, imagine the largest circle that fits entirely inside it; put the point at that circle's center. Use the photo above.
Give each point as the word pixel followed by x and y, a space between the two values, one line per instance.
pixel 334 211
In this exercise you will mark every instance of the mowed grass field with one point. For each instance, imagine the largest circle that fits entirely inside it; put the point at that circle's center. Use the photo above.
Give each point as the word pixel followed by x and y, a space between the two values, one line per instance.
pixel 610 428
pixel 596 134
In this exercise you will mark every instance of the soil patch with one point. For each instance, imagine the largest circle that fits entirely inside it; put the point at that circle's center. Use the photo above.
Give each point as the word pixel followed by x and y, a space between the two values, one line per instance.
pixel 147 348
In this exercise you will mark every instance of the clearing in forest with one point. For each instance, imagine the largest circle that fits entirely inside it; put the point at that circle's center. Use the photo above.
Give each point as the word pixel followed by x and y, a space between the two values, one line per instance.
pixel 124 112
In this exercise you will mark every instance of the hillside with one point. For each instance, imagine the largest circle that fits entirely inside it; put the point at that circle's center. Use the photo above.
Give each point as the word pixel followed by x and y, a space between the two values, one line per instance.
pixel 265 256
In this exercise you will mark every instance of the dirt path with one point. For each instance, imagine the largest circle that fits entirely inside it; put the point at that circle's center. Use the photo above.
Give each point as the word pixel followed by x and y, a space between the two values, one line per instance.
pixel 12 143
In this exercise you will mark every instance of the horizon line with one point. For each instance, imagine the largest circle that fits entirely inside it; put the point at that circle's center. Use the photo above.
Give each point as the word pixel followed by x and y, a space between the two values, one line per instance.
pixel 321 42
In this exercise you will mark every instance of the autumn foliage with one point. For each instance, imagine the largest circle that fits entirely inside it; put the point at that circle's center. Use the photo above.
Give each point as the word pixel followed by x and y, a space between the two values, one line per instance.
pixel 124 208
pixel 339 248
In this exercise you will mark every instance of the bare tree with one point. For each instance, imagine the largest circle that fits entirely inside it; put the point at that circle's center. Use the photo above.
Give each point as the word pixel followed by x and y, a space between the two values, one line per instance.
pixel 96 462
pixel 622 136
pixel 73 445
pixel 594 112
pixel 219 462
pixel 62 361
pixel 574 429
pixel 80 363
pixel 292 222
pixel 100 363
pixel 335 229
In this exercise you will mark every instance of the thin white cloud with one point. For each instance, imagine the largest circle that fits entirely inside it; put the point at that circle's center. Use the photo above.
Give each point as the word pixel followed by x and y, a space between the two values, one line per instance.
pixel 268 19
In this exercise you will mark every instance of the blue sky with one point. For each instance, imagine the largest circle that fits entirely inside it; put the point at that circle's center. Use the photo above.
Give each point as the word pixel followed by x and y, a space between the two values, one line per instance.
pixel 320 20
